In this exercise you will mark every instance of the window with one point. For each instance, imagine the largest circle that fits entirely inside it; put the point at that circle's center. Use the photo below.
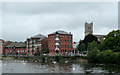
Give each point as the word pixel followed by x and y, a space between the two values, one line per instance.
pixel 65 36
pixel 70 41
pixel 68 46
pixel 18 51
pixel 61 40
pixel 65 50
pixel 90 27
pixel 56 35
pixel 57 46
pixel 65 46
pixel 65 40
pixel 56 41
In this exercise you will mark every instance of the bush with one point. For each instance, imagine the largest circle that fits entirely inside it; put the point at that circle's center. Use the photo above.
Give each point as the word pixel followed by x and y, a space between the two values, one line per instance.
pixel 118 59
pixel 107 56
pixel 37 54
pixel 92 56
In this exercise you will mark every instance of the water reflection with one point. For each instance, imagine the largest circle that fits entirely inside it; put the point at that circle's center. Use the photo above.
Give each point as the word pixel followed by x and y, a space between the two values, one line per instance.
pixel 17 66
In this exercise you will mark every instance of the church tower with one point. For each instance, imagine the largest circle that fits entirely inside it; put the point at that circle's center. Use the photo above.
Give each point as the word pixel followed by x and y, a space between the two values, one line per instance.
pixel 88 28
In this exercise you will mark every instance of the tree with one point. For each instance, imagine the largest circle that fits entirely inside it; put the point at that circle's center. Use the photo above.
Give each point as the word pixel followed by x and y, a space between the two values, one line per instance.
pixel 107 56
pixel 112 41
pixel 93 56
pixel 90 38
pixel 81 47
pixel 93 45
pixel 46 51
pixel 118 59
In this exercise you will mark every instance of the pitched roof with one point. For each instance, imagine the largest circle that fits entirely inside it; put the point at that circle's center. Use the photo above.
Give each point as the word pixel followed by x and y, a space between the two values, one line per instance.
pixel 16 44
pixel 39 36
pixel 61 32
pixel 100 35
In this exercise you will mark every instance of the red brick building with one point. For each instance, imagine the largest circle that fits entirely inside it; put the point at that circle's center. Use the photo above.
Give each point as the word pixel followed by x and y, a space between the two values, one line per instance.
pixel 60 42
pixel 15 48
pixel 37 43
pixel 4 44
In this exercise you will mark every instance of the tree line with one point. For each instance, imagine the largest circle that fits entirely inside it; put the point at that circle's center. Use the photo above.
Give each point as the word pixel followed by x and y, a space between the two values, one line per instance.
pixel 106 51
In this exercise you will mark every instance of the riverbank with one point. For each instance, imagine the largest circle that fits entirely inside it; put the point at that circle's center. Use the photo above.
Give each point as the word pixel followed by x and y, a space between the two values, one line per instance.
pixel 62 59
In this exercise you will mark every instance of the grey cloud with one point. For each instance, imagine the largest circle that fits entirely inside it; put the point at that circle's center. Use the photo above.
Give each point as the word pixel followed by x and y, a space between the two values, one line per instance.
pixel 22 20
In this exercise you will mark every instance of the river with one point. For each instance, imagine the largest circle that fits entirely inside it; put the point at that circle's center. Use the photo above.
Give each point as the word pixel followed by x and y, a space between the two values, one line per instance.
pixel 17 66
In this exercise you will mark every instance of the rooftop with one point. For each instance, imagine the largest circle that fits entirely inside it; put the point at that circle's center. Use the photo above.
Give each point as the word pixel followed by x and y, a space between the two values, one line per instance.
pixel 100 35
pixel 61 32
pixel 39 36
pixel 16 44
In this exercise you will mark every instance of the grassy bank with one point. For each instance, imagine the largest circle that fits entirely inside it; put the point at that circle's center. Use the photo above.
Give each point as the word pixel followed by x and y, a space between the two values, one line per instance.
pixel 62 59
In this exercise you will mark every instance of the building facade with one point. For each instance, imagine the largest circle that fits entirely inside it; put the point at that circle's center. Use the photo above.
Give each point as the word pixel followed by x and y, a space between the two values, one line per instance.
pixel 15 49
pixel 5 43
pixel 60 42
pixel 88 28
pixel 1 47
pixel 100 37
pixel 37 43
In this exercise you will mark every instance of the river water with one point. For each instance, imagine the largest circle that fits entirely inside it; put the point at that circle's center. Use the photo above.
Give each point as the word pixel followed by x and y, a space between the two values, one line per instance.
pixel 17 66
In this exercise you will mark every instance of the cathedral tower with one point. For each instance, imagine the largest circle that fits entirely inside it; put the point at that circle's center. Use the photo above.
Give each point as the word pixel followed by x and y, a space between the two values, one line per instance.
pixel 88 28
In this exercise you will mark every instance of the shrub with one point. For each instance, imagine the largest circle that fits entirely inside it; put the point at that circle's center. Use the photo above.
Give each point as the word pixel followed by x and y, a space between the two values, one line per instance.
pixel 92 56
pixel 118 59
pixel 107 56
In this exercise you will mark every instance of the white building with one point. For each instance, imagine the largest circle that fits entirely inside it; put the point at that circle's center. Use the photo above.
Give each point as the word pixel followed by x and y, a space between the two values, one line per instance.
pixel 75 44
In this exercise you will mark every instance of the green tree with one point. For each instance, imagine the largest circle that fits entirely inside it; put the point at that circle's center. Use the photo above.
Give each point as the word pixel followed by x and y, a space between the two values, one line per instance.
pixel 46 51
pixel 118 59
pixel 81 47
pixel 37 54
pixel 112 41
pixel 107 56
pixel 93 56
pixel 93 45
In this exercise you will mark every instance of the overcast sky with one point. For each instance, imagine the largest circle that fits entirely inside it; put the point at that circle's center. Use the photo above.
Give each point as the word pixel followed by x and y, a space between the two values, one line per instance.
pixel 26 19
